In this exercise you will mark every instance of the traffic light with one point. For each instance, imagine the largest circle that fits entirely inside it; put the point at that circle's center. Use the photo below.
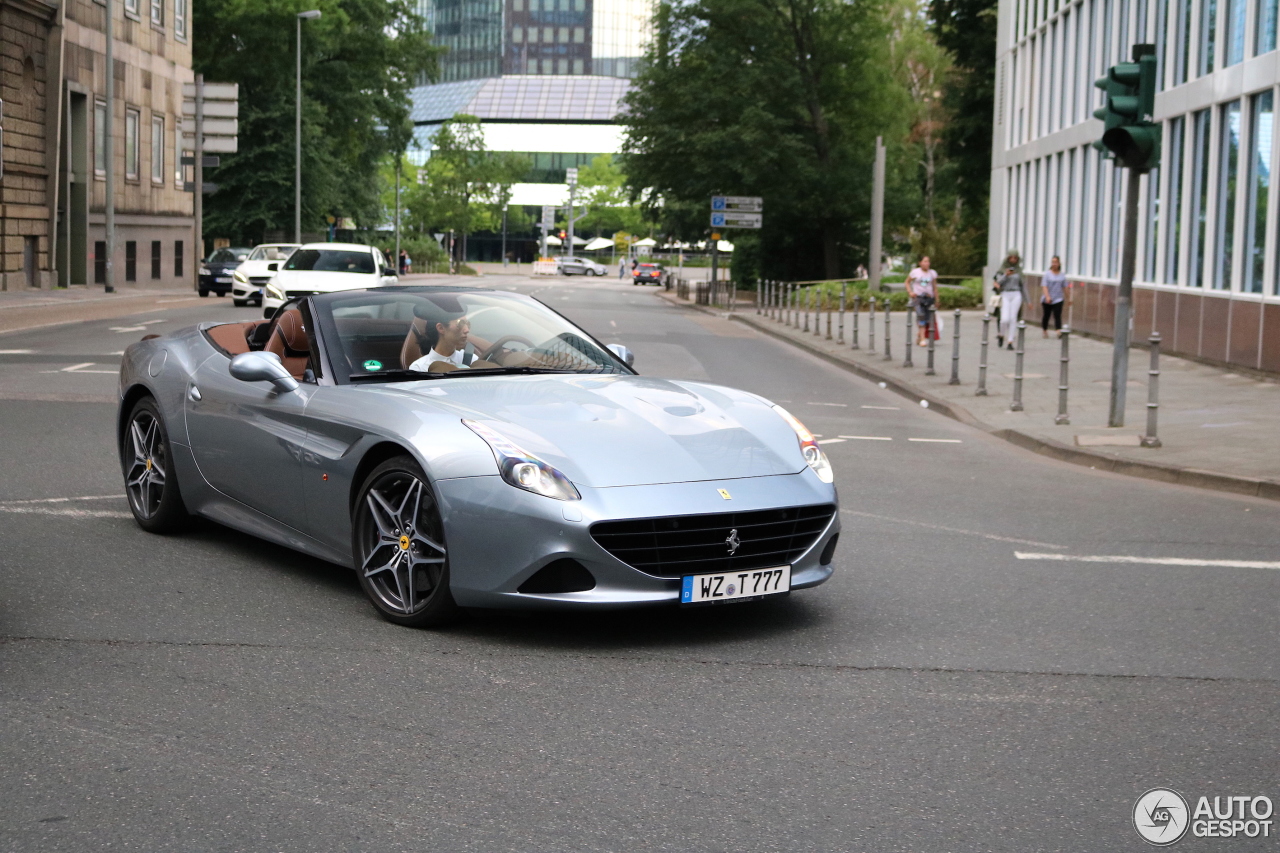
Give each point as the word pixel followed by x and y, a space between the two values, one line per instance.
pixel 563 234
pixel 1129 134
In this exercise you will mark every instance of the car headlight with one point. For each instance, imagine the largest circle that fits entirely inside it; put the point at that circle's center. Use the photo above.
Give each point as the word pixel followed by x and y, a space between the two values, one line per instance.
pixel 274 292
pixel 809 449
pixel 205 271
pixel 240 277
pixel 522 469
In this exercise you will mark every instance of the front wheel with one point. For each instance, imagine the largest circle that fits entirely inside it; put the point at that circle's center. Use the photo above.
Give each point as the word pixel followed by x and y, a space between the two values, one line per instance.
pixel 150 481
pixel 239 303
pixel 400 551
pixel 204 291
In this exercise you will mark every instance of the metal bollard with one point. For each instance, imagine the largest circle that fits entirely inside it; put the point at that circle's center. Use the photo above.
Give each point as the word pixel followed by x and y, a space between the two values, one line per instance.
pixel 909 337
pixel 829 313
pixel 955 351
pixel 1153 388
pixel 1064 360
pixel 844 288
pixel 871 328
pixel 928 336
pixel 857 307
pixel 805 304
pixel 733 295
pixel 982 362
pixel 1017 368
pixel 786 304
pixel 888 307
pixel 791 304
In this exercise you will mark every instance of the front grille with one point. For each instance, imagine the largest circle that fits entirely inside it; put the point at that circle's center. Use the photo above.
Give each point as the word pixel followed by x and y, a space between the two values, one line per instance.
pixel 259 279
pixel 697 544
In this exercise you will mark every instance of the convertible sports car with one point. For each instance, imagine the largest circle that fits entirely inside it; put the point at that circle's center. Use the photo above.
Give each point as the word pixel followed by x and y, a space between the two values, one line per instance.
pixel 467 447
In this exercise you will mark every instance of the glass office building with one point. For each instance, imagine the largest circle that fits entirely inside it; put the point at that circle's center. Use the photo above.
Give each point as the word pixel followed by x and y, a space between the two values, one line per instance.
pixel 1208 277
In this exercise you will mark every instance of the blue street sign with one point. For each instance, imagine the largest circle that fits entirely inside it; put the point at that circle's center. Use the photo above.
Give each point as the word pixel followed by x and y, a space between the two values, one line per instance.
pixel 717 202
pixel 717 219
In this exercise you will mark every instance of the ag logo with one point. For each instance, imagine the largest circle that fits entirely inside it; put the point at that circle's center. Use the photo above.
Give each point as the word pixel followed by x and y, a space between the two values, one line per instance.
pixel 1161 816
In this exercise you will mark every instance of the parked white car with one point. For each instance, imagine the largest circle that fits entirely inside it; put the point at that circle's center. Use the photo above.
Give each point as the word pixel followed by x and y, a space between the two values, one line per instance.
pixel 325 268
pixel 251 277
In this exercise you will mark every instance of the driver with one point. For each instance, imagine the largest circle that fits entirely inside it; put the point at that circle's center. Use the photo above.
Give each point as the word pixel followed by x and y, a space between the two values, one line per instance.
pixel 445 339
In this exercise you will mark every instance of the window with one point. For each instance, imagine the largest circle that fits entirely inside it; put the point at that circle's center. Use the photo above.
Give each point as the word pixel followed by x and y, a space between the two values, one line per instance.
pixel 1255 240
pixel 517 34
pixel 157 149
pixel 155 259
pixel 1153 223
pixel 177 258
pixel 564 35
pixel 1199 194
pixel 1228 169
pixel 517 5
pixel 131 260
pixel 99 137
pixel 1173 234
pixel 131 121
pixel 177 153
pixel 577 66
pixel 579 35
pixel 562 66
pixel 131 7
pixel 180 18
pixel 532 66
pixel 1264 37
pixel 1181 41
pixel 157 13
pixel 1234 31
pixel 100 262
pixel 1208 36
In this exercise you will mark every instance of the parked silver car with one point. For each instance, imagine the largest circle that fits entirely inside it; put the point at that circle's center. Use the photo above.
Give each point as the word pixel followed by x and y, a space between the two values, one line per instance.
pixel 580 266
pixel 467 447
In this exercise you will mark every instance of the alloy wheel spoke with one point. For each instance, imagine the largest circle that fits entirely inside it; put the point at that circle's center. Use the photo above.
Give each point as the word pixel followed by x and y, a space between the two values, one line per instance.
pixel 389 561
pixel 139 442
pixel 384 517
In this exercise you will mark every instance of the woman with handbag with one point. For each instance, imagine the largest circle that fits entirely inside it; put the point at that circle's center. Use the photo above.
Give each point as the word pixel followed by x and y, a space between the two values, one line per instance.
pixel 922 287
pixel 1012 261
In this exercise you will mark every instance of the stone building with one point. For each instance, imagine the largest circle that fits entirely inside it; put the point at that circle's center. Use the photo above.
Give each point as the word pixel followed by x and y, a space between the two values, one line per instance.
pixel 53 188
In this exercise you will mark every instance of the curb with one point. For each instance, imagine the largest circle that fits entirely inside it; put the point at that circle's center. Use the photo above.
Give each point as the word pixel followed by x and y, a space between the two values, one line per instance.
pixel 1197 478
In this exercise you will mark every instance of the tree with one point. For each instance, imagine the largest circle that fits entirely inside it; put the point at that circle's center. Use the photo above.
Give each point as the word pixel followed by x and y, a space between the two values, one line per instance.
pixel 777 98
pixel 359 60
pixel 602 187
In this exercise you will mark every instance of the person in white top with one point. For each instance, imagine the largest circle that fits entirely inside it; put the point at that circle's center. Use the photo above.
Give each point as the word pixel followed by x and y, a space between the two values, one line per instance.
pixel 450 344
pixel 922 287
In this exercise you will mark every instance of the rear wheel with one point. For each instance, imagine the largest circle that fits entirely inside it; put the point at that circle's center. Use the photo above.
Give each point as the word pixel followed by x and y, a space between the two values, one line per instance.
pixel 204 291
pixel 150 481
pixel 399 546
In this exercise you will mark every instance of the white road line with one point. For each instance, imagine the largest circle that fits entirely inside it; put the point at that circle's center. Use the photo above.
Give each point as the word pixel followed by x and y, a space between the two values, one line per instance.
pixel 840 405
pixel 613 323
pixel 122 329
pixel 16 351
pixel 80 368
pixel 831 441
pixel 1151 561
pixel 66 513
pixel 937 440
pixel 868 437
pixel 885 408
pixel 945 529
pixel 63 500
pixel 153 322
pixel 75 367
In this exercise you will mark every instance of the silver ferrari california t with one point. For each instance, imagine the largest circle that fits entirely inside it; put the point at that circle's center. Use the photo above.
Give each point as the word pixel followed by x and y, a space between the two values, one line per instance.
pixel 467 447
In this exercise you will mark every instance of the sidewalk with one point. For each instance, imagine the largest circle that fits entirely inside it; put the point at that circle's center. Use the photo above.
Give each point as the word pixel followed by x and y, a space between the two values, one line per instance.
pixel 1218 428
pixel 33 309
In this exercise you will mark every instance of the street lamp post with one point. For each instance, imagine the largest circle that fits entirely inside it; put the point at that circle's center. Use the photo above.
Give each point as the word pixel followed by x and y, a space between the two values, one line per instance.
pixel 109 154
pixel 297 137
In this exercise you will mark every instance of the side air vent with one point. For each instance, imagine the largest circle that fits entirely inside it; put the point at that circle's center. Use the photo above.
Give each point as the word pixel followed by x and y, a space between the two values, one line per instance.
pixel 561 576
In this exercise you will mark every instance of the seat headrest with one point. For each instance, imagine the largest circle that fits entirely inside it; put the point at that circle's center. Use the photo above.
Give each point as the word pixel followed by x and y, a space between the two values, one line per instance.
pixel 292 332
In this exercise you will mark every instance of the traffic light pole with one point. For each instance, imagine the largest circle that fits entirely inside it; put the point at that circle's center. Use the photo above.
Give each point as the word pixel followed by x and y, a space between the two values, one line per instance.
pixel 1124 302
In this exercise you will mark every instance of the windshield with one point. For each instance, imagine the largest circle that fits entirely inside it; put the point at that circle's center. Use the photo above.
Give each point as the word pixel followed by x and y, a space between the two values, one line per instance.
pixel 228 256
pixel 331 260
pixel 271 253
pixel 421 333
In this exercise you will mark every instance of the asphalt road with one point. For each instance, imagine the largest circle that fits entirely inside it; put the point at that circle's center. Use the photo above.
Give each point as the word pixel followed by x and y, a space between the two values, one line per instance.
pixel 940 693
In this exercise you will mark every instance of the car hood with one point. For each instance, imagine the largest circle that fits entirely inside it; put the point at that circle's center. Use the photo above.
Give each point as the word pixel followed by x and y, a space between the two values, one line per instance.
pixel 606 431
pixel 324 282
pixel 257 267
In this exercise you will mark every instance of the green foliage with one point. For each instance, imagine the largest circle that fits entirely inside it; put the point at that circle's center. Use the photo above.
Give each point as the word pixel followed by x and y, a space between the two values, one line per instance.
pixel 359 60
pixel 425 252
pixel 952 250
pixel 777 98
pixel 602 186
pixel 968 294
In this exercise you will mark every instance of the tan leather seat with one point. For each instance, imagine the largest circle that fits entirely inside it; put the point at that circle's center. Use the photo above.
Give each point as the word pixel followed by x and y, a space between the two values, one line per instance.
pixel 411 350
pixel 289 341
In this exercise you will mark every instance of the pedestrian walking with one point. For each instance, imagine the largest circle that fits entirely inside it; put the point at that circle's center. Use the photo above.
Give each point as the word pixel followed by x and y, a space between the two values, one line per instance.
pixel 1012 295
pixel 1053 295
pixel 1012 258
pixel 622 268
pixel 402 263
pixel 922 288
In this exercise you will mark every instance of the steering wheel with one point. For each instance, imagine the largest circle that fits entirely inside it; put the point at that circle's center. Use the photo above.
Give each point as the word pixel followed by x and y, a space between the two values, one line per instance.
pixel 497 345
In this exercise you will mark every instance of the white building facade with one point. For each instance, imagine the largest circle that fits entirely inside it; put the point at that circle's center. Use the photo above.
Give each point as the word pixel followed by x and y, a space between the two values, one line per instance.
pixel 1208 275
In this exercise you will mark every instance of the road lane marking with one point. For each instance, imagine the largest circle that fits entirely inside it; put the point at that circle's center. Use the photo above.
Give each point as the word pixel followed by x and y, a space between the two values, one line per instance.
pixel 76 367
pixel 80 368
pixel 831 441
pixel 937 440
pixel 63 500
pixel 613 323
pixel 885 408
pixel 122 329
pixel 841 405
pixel 946 529
pixel 1151 561
pixel 16 351
pixel 868 437
pixel 66 513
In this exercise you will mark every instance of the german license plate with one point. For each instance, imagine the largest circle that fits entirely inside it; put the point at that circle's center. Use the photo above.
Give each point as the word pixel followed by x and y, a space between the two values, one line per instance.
pixel 223 279
pixel 735 586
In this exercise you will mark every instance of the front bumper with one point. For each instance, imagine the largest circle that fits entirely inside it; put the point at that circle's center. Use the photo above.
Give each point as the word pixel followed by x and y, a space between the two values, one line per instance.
pixel 498 536
pixel 211 284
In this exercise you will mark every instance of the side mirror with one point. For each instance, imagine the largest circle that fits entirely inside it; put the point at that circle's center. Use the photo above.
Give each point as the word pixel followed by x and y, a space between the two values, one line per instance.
pixel 623 353
pixel 273 267
pixel 389 271
pixel 262 367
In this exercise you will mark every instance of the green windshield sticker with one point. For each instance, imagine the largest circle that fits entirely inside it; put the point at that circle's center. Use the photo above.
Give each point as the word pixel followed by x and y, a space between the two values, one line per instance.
pixel 372 365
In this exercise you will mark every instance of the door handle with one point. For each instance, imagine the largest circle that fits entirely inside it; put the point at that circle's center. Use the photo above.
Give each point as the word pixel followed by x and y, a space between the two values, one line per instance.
pixel 194 394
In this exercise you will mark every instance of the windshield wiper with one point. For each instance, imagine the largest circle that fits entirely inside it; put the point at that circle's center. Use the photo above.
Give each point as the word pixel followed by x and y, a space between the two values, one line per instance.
pixel 499 371
pixel 395 375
